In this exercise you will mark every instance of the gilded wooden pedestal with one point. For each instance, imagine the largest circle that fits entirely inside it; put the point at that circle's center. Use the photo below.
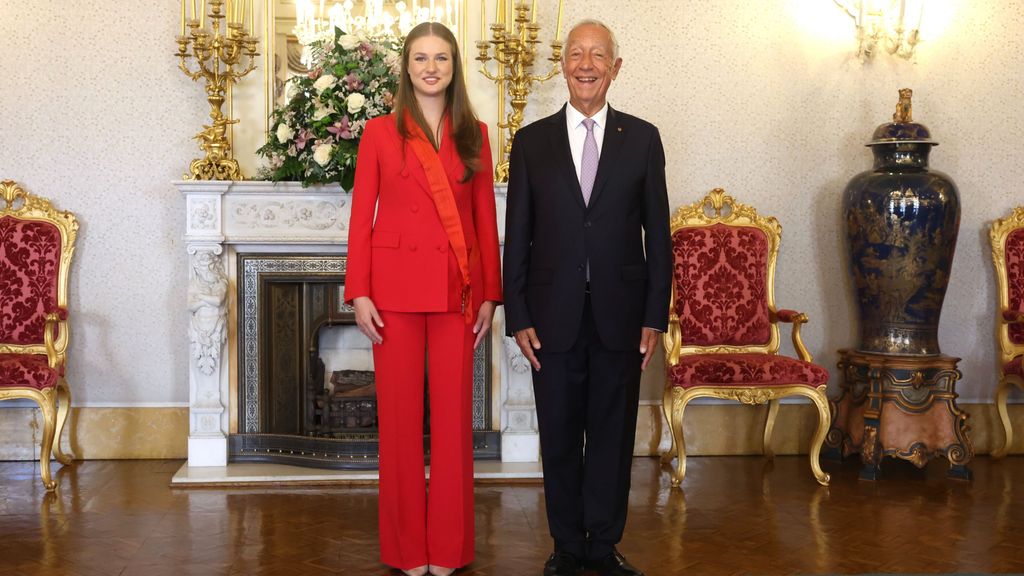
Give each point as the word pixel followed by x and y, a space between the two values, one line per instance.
pixel 902 406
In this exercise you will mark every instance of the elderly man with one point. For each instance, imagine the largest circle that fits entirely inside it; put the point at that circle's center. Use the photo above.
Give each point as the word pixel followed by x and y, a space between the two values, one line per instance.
pixel 587 286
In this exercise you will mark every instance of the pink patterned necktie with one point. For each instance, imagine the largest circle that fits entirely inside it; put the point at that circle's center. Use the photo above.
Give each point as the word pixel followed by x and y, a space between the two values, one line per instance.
pixel 588 164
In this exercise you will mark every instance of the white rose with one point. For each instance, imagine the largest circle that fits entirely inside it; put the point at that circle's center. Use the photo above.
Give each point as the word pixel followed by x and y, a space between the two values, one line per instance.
pixel 355 102
pixel 348 41
pixel 324 82
pixel 322 154
pixel 284 133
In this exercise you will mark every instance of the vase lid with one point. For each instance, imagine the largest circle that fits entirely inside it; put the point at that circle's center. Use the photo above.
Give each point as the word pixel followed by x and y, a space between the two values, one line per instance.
pixel 902 129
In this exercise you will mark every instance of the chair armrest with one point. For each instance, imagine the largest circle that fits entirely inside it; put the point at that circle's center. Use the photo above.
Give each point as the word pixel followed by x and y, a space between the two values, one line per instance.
pixel 672 339
pixel 786 315
pixel 797 319
pixel 1013 316
pixel 53 319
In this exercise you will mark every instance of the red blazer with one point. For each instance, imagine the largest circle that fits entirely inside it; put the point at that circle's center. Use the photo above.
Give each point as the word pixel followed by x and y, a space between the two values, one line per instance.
pixel 401 259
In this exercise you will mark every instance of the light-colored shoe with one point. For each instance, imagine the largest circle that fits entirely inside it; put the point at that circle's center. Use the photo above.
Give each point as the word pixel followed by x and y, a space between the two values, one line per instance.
pixel 440 570
pixel 417 571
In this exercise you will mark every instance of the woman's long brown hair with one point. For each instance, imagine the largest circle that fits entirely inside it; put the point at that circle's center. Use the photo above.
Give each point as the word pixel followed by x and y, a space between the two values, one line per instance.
pixel 465 130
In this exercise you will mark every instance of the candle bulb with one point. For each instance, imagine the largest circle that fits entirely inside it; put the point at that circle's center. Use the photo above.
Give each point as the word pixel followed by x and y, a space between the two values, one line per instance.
pixel 182 17
pixel 533 12
pixel 558 26
pixel 252 19
pixel 500 16
pixel 483 19
pixel 202 14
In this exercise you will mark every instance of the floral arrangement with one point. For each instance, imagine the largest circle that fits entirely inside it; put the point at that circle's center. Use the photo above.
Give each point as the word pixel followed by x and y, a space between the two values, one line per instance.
pixel 314 138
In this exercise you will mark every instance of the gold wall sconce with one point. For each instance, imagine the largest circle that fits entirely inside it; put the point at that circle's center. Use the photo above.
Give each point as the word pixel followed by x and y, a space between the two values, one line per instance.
pixel 890 25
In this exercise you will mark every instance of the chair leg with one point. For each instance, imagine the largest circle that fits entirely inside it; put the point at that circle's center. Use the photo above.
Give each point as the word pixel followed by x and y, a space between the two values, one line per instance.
pixel 824 419
pixel 63 409
pixel 1001 394
pixel 666 409
pixel 679 400
pixel 769 426
pixel 48 406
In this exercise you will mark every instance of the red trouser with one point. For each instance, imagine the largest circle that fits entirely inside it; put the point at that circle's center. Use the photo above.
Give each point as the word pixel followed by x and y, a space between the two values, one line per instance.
pixel 416 529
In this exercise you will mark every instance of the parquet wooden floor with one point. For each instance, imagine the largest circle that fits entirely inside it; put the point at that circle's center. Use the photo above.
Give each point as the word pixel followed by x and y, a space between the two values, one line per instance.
pixel 736 515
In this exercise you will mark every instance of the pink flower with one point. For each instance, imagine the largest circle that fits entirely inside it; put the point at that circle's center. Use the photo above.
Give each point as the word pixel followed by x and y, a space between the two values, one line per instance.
pixel 315 73
pixel 367 49
pixel 341 129
pixel 354 83
pixel 305 135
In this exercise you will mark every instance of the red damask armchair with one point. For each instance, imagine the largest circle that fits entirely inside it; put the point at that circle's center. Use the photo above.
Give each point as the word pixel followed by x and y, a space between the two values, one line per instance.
pixel 723 335
pixel 1007 236
pixel 36 243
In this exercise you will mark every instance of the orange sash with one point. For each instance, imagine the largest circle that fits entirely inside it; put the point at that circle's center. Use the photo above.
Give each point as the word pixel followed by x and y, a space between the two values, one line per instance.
pixel 444 200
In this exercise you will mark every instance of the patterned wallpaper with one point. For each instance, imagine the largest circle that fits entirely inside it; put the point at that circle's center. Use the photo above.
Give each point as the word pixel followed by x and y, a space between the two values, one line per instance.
pixel 761 98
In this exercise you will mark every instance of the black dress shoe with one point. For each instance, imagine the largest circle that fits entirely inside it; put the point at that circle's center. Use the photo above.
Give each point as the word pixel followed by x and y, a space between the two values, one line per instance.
pixel 614 564
pixel 562 564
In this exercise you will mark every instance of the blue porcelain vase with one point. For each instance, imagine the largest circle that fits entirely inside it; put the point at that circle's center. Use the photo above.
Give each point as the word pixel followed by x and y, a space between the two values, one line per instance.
pixel 902 220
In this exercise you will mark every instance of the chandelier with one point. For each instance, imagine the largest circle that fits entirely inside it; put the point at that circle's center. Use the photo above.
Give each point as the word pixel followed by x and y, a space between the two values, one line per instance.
pixel 892 25
pixel 370 18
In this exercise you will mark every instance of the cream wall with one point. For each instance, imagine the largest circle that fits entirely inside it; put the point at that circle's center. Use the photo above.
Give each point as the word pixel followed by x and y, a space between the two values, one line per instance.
pixel 749 95
pixel 97 117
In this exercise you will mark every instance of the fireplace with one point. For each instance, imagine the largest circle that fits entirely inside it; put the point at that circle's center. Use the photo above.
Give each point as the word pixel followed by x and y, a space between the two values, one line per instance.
pixel 266 276
pixel 306 393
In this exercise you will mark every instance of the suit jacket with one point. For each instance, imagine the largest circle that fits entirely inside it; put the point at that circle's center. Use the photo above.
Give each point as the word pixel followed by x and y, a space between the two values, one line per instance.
pixel 550 235
pixel 401 258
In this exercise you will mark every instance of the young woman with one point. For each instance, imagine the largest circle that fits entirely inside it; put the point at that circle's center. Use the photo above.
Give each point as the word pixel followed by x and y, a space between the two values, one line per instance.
pixel 424 278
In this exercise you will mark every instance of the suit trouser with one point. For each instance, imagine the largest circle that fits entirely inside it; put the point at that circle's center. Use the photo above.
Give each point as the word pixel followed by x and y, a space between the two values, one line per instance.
pixel 588 394
pixel 417 528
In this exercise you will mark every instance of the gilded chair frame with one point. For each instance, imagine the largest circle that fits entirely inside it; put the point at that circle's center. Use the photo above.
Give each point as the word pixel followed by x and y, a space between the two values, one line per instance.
pixel 720 208
pixel 54 403
pixel 1000 231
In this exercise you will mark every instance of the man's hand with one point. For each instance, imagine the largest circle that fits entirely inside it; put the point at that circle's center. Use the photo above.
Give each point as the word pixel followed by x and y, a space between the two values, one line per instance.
pixel 483 322
pixel 528 342
pixel 648 341
pixel 368 319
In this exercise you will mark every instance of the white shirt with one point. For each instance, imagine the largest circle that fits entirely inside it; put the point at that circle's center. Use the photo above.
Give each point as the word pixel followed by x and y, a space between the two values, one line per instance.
pixel 578 132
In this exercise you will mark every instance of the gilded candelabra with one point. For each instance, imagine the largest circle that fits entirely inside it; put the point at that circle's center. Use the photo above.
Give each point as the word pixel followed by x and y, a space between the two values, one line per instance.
pixel 218 58
pixel 515 50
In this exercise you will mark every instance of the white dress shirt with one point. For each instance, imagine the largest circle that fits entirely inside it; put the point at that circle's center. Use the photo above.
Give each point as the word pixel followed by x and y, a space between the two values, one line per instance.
pixel 578 132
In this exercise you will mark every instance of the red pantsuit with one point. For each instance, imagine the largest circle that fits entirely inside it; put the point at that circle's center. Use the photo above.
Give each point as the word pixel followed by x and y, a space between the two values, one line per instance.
pixel 400 256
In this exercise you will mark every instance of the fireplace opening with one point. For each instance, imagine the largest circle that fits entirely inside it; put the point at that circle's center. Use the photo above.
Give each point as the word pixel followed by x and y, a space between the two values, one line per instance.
pixel 343 388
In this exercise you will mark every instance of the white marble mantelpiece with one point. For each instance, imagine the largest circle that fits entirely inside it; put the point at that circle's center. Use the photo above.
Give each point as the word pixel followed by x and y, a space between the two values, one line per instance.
pixel 239 217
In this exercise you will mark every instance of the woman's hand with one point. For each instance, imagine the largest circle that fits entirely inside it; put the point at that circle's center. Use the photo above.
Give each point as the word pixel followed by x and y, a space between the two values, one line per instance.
pixel 483 321
pixel 368 319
